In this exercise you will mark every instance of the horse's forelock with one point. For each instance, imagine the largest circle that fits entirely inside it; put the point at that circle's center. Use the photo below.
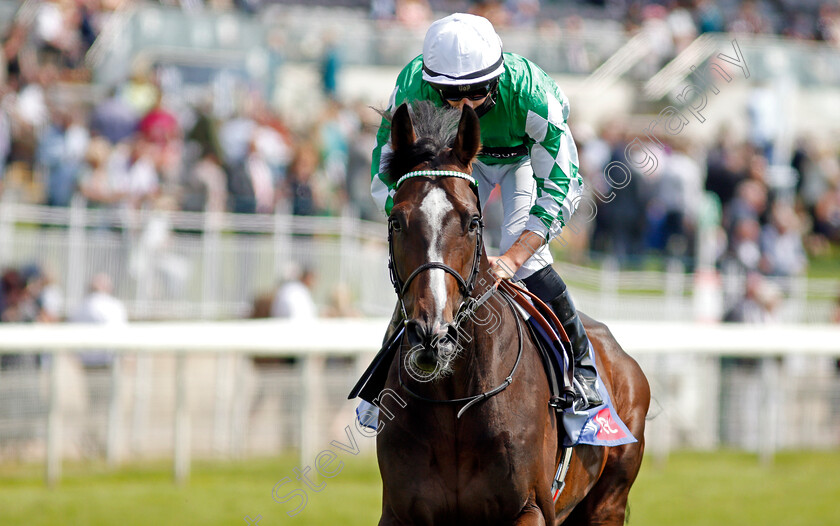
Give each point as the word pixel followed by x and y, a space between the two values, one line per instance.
pixel 435 129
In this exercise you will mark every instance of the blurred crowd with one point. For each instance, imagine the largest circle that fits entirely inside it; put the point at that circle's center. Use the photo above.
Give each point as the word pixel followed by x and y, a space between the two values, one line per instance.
pixel 755 225
pixel 140 144
pixel 764 226
pixel 136 145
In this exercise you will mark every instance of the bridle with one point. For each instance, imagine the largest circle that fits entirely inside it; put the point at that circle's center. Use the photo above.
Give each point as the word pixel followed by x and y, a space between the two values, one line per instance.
pixel 466 286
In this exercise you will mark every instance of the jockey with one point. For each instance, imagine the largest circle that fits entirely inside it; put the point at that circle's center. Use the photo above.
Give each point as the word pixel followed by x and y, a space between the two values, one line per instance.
pixel 527 149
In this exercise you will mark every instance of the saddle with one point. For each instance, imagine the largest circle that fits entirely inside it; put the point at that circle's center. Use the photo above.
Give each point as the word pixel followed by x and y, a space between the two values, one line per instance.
pixel 551 341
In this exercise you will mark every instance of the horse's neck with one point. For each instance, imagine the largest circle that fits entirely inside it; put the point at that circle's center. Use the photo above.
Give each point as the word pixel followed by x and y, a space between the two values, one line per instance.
pixel 490 352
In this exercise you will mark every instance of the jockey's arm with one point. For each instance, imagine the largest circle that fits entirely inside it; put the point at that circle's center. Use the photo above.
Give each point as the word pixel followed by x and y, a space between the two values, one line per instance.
pixel 506 265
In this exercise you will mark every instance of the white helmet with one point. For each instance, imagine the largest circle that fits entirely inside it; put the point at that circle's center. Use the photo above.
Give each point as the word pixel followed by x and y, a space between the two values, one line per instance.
pixel 461 50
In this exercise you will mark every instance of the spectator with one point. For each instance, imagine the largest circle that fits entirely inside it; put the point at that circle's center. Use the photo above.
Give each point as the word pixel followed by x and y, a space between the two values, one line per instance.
pixel 235 136
pixel 114 118
pixel 99 306
pixel 682 28
pixel 45 300
pixel 750 203
pixel 577 57
pixel 206 186
pixel 413 14
pixel 293 298
pixel 759 304
pixel 341 304
pixel 524 13
pixel 744 244
pixel 619 224
pixel 750 20
pixel 17 305
pixel 781 243
pixel 330 67
pixel 676 196
pixel 143 180
pixel 709 17
pixel 493 10
pixel 300 185
pixel 159 125
pixel 827 216
pixel 726 166
pixel 261 179
pixel 96 183
pixel 61 152
pixel 140 91
pixel 764 118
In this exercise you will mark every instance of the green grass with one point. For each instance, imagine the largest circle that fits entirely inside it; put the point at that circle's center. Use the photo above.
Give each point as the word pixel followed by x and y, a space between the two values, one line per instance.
pixel 734 488
pixel 825 265
pixel 723 488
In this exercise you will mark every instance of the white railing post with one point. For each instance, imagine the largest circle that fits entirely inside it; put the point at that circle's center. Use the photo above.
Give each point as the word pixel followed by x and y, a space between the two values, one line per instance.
pixel 674 289
pixel 239 405
pixel 282 241
pixel 769 411
pixel 658 429
pixel 142 394
pixel 311 369
pixel 112 448
pixel 610 274
pixel 349 252
pixel 75 279
pixel 210 238
pixel 54 423
pixel 182 422
pixel 7 227
pixel 225 373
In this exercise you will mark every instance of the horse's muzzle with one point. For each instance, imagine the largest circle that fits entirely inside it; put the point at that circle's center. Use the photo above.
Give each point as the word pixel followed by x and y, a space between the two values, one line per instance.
pixel 427 344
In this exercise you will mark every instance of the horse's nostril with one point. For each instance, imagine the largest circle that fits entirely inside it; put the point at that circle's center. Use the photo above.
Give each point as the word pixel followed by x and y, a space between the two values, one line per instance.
pixel 415 332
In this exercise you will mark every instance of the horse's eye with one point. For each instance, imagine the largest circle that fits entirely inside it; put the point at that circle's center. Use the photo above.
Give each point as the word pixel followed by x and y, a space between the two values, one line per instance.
pixel 474 224
pixel 395 225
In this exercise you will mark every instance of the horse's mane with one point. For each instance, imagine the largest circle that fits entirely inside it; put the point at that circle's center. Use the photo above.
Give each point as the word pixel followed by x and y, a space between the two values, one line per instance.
pixel 435 129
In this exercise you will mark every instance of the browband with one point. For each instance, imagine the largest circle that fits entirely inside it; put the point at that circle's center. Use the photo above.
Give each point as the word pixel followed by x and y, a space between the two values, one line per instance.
pixel 436 173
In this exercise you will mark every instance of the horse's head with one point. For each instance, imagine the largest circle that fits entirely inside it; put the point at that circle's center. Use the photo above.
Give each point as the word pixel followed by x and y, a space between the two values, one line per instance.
pixel 435 226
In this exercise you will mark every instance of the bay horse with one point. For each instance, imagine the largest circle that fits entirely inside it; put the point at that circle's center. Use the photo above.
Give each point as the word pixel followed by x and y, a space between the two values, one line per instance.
pixel 494 463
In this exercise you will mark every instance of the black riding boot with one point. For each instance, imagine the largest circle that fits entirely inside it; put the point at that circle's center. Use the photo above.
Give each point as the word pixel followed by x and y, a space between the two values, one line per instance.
pixel 585 373
pixel 549 287
pixel 373 380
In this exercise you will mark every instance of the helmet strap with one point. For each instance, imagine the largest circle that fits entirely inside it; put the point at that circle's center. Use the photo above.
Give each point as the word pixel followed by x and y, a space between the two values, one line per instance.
pixel 490 101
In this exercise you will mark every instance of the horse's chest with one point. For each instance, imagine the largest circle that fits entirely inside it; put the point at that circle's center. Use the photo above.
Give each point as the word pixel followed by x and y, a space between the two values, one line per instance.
pixel 478 476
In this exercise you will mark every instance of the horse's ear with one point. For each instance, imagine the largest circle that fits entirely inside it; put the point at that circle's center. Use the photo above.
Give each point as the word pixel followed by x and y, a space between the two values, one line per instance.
pixel 402 131
pixel 468 140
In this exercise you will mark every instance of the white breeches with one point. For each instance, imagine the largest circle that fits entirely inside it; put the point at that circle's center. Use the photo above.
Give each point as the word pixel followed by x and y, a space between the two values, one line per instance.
pixel 518 193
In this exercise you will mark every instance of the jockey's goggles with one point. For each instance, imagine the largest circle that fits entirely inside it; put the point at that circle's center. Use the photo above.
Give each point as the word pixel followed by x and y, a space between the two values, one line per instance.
pixel 473 92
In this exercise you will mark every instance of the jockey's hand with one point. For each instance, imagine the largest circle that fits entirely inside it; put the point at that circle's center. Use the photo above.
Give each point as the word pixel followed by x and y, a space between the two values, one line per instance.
pixel 502 267
pixel 506 265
